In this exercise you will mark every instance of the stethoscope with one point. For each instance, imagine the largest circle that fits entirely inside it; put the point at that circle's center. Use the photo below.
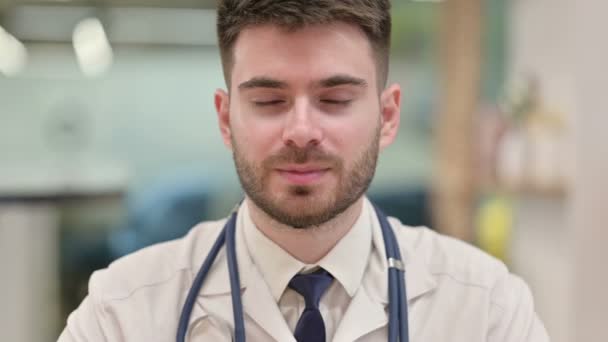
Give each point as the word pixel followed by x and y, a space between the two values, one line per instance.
pixel 398 321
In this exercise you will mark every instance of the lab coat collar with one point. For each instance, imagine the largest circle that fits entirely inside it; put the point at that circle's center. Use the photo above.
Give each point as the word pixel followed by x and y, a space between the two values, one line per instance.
pixel 217 281
pixel 259 305
pixel 347 267
pixel 275 265
pixel 256 298
pixel 367 309
pixel 418 278
pixel 278 267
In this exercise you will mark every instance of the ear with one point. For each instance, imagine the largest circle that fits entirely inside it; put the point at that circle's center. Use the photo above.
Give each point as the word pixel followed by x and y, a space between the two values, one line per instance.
pixel 390 102
pixel 222 107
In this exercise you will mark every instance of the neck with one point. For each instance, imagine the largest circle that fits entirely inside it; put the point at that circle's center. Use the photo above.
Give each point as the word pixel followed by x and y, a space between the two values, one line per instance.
pixel 307 245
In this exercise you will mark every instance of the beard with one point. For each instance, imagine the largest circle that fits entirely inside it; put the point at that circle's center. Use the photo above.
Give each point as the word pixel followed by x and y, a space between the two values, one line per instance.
pixel 304 206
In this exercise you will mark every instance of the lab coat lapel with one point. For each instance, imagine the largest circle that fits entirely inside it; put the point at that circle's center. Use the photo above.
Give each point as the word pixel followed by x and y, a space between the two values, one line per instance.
pixel 258 303
pixel 364 315
pixel 367 311
pixel 418 277
pixel 261 307
pixel 418 280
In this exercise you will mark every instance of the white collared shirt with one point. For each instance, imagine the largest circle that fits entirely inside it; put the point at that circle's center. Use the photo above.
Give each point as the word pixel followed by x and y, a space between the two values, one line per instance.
pixel 346 262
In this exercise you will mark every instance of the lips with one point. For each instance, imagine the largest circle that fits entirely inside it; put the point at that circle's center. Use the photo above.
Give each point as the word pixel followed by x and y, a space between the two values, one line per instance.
pixel 302 175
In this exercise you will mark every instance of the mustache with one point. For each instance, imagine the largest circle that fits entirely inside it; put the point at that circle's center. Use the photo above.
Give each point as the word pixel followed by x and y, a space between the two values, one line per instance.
pixel 298 155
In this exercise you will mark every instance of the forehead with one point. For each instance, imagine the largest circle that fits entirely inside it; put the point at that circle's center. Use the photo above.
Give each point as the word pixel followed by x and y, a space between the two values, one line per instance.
pixel 303 55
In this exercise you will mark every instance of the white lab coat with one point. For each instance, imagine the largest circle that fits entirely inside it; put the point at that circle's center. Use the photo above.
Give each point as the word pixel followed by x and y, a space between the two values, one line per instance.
pixel 455 293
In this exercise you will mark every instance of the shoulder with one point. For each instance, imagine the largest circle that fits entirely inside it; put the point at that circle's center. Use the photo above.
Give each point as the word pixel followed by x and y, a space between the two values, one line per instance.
pixel 473 282
pixel 155 265
pixel 447 257
pixel 132 298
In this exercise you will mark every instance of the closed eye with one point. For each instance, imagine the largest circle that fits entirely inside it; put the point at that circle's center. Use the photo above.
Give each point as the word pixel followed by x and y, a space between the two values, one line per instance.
pixel 268 103
pixel 336 102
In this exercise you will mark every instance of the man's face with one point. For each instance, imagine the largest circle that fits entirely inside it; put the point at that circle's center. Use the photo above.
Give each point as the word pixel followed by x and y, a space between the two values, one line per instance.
pixel 305 120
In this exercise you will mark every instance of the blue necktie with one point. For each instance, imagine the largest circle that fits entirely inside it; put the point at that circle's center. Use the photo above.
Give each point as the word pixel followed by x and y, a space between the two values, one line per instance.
pixel 310 327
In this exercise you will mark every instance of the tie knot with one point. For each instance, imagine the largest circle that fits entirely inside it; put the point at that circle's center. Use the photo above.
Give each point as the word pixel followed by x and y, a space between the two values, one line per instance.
pixel 311 286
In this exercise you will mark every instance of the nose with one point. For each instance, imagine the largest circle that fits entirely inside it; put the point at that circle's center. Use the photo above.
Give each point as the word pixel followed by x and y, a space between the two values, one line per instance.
pixel 302 128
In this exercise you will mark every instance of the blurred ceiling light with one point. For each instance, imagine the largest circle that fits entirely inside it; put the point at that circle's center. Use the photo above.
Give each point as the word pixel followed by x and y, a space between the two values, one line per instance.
pixel 93 50
pixel 13 55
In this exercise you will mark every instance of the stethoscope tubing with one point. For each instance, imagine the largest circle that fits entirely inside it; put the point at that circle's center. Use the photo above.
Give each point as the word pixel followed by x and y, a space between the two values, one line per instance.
pixel 235 283
pixel 197 284
pixel 398 323
pixel 398 329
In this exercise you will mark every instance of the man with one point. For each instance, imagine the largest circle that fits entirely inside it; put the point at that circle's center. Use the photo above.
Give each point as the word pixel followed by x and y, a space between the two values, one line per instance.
pixel 305 116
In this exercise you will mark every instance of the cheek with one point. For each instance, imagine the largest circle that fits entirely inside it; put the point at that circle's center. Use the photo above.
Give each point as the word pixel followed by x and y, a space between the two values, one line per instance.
pixel 349 136
pixel 255 140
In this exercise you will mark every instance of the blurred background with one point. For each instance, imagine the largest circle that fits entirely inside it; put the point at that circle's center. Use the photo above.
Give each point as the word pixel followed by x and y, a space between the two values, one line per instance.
pixel 109 143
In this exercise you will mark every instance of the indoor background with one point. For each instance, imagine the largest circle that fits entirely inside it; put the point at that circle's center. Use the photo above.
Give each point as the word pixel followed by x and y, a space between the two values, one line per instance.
pixel 109 143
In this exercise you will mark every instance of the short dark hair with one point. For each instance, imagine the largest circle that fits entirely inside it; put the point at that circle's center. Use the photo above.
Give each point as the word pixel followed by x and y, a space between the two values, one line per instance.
pixel 371 16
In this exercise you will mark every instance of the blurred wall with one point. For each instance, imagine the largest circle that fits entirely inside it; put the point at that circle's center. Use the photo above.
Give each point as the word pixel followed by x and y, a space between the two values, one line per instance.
pixel 590 301
pixel 153 111
pixel 542 252
pixel 560 241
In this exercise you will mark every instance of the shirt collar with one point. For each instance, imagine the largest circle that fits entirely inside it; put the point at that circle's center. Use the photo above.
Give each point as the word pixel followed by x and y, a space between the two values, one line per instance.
pixel 277 266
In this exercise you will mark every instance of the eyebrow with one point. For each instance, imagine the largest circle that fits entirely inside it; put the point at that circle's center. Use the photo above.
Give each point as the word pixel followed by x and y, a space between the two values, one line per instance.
pixel 338 80
pixel 330 82
pixel 263 82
